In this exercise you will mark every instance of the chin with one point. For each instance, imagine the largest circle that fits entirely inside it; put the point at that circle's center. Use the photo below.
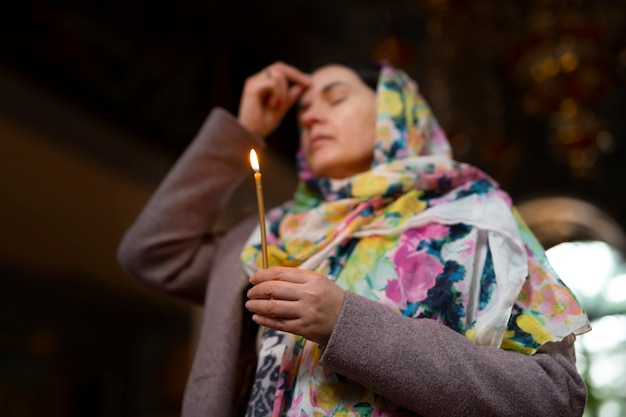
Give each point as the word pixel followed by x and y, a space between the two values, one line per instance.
pixel 335 168
pixel 326 167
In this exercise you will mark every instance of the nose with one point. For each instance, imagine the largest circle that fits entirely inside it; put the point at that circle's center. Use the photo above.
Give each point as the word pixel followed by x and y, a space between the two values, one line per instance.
pixel 311 115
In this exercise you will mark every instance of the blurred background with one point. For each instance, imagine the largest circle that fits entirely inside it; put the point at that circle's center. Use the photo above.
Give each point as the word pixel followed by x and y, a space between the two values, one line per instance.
pixel 98 99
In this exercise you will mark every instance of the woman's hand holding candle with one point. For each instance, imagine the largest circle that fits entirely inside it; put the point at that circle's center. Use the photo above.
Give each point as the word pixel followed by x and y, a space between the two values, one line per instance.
pixel 297 301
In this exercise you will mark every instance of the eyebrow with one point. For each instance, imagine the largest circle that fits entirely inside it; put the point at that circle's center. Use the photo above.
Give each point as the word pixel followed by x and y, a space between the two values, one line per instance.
pixel 325 89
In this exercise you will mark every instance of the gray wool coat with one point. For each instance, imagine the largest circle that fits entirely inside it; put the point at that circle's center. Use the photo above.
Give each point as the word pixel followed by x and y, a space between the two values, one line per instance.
pixel 417 363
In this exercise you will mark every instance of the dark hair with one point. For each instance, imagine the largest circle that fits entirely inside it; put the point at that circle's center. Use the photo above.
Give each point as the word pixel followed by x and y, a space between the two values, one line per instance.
pixel 367 69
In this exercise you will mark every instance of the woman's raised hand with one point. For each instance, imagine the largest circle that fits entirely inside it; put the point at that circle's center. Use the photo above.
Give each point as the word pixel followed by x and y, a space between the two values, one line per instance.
pixel 268 95
pixel 296 301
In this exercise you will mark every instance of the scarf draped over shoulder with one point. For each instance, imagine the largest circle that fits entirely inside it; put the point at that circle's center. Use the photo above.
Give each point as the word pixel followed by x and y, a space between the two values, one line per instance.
pixel 428 236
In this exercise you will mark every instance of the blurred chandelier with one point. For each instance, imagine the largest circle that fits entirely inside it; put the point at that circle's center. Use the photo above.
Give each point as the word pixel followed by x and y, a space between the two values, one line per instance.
pixel 565 73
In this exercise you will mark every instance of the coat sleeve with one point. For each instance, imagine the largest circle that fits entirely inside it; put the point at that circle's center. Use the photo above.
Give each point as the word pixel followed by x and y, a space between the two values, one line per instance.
pixel 430 369
pixel 171 245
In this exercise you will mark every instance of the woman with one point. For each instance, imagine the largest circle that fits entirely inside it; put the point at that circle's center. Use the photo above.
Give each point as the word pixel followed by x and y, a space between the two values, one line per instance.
pixel 401 283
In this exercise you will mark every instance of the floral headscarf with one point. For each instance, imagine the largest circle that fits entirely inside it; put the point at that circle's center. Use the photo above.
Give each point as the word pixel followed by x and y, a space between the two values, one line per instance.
pixel 425 235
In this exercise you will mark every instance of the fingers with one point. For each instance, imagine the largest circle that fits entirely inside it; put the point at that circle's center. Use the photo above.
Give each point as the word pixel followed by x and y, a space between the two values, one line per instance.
pixel 285 274
pixel 288 83
pixel 272 308
pixel 275 303
pixel 265 87
pixel 275 289
pixel 290 316
pixel 292 74
pixel 295 91
pixel 279 96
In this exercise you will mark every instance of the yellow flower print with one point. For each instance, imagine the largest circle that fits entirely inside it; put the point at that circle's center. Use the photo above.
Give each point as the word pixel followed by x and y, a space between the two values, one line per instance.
pixel 248 253
pixel 336 211
pixel 408 205
pixel 386 132
pixel 368 184
pixel 364 261
pixel 291 224
pixel 508 343
pixel 471 334
pixel 277 257
pixel 390 102
pixel 329 395
pixel 533 327
pixel 300 248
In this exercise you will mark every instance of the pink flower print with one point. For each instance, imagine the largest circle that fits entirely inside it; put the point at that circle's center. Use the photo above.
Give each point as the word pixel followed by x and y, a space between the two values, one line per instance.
pixel 412 237
pixel 417 271
pixel 395 293
pixel 434 231
pixel 470 248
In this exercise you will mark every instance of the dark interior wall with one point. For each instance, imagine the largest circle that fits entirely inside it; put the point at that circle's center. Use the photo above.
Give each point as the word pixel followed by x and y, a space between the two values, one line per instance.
pixel 71 351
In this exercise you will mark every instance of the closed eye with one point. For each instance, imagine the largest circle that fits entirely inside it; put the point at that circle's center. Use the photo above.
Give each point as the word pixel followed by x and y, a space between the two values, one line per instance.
pixel 337 100
pixel 336 92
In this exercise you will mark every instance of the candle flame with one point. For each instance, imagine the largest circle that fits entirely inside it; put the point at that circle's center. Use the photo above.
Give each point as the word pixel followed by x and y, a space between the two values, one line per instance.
pixel 254 161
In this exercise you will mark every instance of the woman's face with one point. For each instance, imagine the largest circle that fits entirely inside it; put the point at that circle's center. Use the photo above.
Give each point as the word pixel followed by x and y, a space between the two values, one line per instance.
pixel 337 115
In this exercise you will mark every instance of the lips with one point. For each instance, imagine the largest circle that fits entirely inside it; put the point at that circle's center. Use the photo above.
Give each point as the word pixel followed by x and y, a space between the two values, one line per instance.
pixel 318 140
